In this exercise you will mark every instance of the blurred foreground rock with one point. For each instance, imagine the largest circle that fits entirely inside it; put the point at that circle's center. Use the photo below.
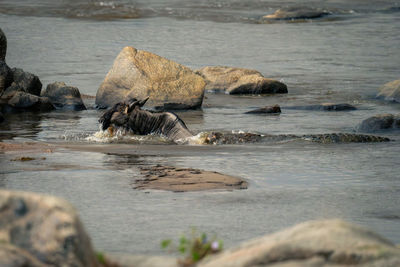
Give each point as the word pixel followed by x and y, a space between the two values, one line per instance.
pixel 140 74
pixel 239 81
pixel 313 243
pixel 390 91
pixel 38 230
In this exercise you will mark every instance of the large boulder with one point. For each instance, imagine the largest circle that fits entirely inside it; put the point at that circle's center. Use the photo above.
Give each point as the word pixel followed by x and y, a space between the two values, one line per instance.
pixel 6 76
pixel 296 13
pixel 41 230
pixel 239 81
pixel 63 96
pixel 22 101
pixel 380 122
pixel 140 74
pixel 314 243
pixel 390 91
pixel 3 45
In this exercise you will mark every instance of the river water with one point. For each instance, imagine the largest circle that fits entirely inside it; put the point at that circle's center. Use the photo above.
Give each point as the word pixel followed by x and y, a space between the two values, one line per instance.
pixel 343 58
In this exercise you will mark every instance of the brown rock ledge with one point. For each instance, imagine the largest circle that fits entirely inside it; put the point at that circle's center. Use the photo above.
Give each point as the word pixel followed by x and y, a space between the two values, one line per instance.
pixel 186 179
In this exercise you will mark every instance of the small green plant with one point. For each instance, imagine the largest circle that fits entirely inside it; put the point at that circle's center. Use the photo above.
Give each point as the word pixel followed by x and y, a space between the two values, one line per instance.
pixel 193 249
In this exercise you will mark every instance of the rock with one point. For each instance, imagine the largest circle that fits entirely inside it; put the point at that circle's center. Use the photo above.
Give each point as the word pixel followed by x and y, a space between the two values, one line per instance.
pixel 63 96
pixel 390 91
pixel 42 230
pixel 124 260
pixel 140 74
pixel 1 117
pixel 265 110
pixel 325 107
pixel 239 81
pixel 313 243
pixel 3 45
pixel 22 101
pixel 26 82
pixel 186 179
pixel 380 122
pixel 6 77
pixel 296 13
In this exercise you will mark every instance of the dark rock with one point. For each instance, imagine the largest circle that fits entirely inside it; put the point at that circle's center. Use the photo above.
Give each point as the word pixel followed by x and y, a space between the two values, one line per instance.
pixel 38 230
pixel 3 45
pixel 239 81
pixel 6 76
pixel 22 101
pixel 325 107
pixel 390 91
pixel 63 96
pixel 265 110
pixel 380 122
pixel 296 13
pixel 1 117
pixel 140 74
pixel 25 82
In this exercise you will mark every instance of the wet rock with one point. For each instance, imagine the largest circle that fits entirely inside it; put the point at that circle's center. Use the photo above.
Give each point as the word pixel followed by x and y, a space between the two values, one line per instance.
pixel 343 138
pixel 296 13
pixel 265 110
pixel 22 101
pixel 313 243
pixel 41 231
pixel 3 45
pixel 1 117
pixel 6 77
pixel 239 81
pixel 380 122
pixel 140 74
pixel 325 107
pixel 26 82
pixel 186 179
pixel 390 91
pixel 63 96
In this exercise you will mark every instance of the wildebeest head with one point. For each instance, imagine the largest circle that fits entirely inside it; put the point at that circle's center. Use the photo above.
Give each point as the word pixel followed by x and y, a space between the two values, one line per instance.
pixel 119 114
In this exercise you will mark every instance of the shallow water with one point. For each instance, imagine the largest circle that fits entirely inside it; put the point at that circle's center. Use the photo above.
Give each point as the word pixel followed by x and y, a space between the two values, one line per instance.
pixel 340 60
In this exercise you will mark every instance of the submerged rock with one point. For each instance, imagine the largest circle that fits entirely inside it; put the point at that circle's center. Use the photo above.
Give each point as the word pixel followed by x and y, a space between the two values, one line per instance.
pixel 186 179
pixel 239 81
pixel 22 101
pixel 296 13
pixel 313 243
pixel 325 107
pixel 39 230
pixel 266 110
pixel 63 96
pixel 3 45
pixel 140 74
pixel 380 122
pixel 390 91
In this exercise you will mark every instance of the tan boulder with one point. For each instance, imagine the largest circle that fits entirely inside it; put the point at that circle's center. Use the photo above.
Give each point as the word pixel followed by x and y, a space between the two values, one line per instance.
pixel 140 74
pixel 313 243
pixel 43 231
pixel 390 91
pixel 239 81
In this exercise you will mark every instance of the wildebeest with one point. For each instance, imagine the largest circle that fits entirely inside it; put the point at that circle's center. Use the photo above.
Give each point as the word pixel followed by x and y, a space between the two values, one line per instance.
pixel 129 116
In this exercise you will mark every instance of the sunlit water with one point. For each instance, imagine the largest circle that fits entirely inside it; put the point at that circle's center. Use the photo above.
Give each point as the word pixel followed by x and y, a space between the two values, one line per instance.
pixel 344 59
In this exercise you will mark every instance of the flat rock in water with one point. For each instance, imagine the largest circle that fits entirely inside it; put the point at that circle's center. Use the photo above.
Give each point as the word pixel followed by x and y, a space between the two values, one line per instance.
pixel 266 110
pixel 296 13
pixel 390 91
pixel 41 231
pixel 186 179
pixel 63 96
pixel 380 122
pixel 140 74
pixel 325 107
pixel 313 243
pixel 239 81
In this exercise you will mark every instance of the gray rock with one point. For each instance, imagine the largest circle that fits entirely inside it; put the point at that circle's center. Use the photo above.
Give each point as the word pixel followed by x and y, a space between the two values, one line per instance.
pixel 380 122
pixel 3 45
pixel 325 107
pixel 239 81
pixel 265 110
pixel 140 74
pixel 313 243
pixel 25 82
pixel 22 101
pixel 390 91
pixel 6 76
pixel 296 13
pixel 39 230
pixel 64 97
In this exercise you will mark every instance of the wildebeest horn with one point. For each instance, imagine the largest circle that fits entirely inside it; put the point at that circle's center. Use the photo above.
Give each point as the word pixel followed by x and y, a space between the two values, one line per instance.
pixel 139 103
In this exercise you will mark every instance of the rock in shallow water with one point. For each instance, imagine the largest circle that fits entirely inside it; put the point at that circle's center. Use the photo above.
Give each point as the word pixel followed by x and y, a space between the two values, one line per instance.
pixel 296 13
pixel 63 96
pixel 390 91
pixel 325 107
pixel 3 45
pixel 266 110
pixel 6 76
pixel 140 74
pixel 22 101
pixel 380 122
pixel 41 231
